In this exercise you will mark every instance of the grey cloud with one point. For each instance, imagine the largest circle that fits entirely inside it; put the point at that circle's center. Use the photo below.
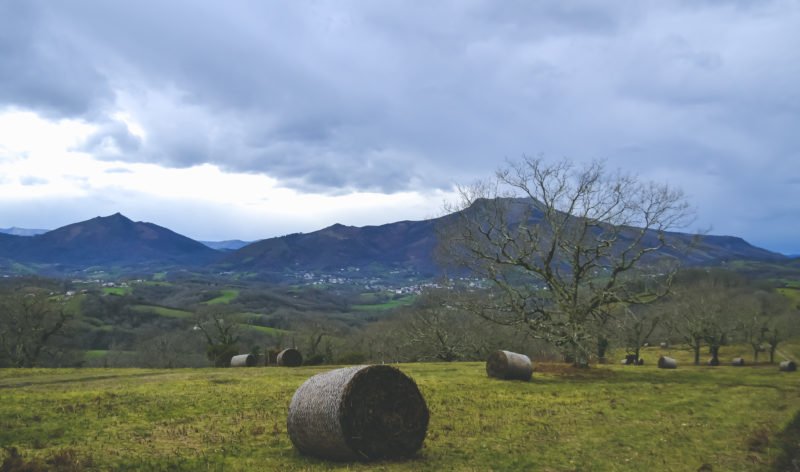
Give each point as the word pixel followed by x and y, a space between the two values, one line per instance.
pixel 112 140
pixel 381 96
pixel 42 68
pixel 119 170
pixel 29 180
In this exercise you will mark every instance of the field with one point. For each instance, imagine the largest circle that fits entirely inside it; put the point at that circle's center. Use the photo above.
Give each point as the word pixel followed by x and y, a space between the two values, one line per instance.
pixel 609 417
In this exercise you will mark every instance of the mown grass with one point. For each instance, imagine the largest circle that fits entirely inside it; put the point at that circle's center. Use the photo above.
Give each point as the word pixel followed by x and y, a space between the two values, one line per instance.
pixel 606 418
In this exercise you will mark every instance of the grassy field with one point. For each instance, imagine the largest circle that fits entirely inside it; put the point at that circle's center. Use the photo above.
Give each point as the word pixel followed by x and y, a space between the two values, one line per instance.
pixel 387 305
pixel 226 297
pixel 606 418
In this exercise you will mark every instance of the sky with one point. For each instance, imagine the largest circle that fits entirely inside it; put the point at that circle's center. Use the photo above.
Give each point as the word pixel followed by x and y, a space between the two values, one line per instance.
pixel 253 119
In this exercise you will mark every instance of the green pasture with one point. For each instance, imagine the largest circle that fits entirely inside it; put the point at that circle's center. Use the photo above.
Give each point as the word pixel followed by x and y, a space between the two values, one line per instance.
pixel 266 329
pixel 792 293
pixel 388 305
pixel 605 418
pixel 117 290
pixel 226 297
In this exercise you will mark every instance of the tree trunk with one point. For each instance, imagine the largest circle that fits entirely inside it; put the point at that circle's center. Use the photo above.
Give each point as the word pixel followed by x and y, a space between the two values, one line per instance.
pixel 714 350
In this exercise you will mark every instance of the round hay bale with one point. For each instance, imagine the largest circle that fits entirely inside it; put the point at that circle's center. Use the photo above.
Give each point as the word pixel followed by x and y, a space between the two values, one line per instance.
pixel 509 365
pixel 243 360
pixel 665 362
pixel 714 361
pixel 290 358
pixel 788 366
pixel 362 412
pixel 737 361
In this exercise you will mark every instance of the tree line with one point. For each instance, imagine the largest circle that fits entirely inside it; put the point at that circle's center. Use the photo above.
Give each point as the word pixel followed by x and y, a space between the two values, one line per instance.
pixel 577 260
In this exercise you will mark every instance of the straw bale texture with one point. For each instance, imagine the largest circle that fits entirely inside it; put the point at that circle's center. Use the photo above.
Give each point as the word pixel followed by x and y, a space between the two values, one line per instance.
pixel 243 360
pixel 509 365
pixel 362 412
pixel 665 362
pixel 788 366
pixel 290 358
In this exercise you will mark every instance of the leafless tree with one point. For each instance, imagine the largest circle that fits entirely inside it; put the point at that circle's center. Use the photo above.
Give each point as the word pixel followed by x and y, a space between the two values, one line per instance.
pixel 775 321
pixel 562 244
pixel 439 330
pixel 30 318
pixel 168 350
pixel 221 330
pixel 634 326
pixel 706 310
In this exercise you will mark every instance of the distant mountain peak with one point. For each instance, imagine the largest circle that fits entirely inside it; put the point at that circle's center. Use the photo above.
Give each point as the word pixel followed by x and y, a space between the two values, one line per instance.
pixel 115 217
pixel 15 231
pixel 113 240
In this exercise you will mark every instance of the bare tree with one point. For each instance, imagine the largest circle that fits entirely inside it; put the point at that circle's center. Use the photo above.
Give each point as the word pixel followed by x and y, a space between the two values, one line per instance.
pixel 30 318
pixel 562 245
pixel 439 330
pixel 168 350
pixel 222 332
pixel 706 310
pixel 634 326
pixel 758 319
pixel 780 321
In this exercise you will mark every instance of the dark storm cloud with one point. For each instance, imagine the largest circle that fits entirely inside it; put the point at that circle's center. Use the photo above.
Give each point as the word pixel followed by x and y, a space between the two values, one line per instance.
pixel 382 96
pixel 43 68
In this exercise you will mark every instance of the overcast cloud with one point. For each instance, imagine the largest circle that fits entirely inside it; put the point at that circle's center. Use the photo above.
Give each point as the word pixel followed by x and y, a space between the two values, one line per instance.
pixel 369 111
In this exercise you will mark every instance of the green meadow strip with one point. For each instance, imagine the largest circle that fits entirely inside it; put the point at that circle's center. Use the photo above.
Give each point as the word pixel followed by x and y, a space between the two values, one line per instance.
pixel 606 418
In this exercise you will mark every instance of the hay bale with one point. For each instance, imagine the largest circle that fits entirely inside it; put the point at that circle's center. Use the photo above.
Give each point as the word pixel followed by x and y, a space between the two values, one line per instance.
pixel 243 360
pixel 362 412
pixel 738 361
pixel 664 345
pixel 665 362
pixel 788 366
pixel 289 358
pixel 713 361
pixel 509 365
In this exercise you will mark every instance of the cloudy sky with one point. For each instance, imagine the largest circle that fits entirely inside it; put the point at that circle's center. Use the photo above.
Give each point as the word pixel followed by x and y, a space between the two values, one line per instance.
pixel 253 119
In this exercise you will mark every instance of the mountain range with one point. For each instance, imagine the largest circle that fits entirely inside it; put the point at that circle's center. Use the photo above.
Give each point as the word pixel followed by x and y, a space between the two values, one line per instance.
pixel 117 245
